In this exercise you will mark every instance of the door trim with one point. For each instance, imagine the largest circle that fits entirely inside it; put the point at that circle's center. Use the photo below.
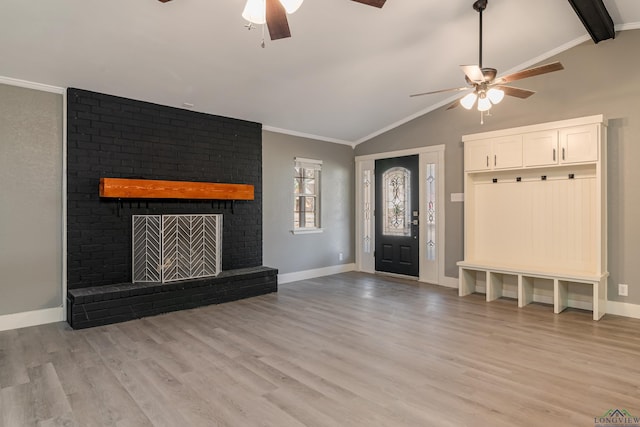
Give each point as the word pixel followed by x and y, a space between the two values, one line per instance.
pixel 365 261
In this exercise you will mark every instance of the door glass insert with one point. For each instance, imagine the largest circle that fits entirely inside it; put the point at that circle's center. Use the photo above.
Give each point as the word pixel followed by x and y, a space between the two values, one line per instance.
pixel 396 202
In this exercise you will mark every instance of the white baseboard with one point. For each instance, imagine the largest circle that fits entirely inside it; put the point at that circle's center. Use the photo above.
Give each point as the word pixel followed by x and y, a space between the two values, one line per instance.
pixel 31 318
pixel 316 272
pixel 623 309
pixel 449 282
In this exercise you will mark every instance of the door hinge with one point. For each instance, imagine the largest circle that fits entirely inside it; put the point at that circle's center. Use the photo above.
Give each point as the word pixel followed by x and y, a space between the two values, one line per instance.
pixel 374 254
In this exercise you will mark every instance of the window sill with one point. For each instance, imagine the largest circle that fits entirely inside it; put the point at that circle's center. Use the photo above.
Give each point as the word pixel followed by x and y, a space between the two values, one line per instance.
pixel 307 231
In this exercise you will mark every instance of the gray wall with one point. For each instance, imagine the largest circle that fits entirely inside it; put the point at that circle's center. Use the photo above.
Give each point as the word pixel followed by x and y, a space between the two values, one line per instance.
pixel 291 253
pixel 30 200
pixel 598 79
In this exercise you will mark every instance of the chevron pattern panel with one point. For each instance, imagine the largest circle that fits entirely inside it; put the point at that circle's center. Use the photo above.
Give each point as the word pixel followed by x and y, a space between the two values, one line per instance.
pixel 191 246
pixel 147 247
pixel 167 248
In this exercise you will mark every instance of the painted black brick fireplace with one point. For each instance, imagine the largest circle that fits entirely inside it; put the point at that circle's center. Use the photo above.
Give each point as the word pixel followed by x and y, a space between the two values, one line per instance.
pixel 115 137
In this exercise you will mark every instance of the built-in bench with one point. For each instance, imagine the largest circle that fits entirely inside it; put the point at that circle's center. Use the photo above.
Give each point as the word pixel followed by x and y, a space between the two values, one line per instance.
pixel 102 305
pixel 494 277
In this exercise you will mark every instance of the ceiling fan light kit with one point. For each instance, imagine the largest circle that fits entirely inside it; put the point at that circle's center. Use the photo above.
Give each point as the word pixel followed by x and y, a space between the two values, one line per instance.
pixel 489 90
pixel 255 11
pixel 468 100
pixel 484 104
pixel 495 95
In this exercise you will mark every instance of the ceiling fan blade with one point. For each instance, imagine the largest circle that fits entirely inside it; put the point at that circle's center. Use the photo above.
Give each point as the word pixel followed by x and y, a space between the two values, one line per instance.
pixel 374 3
pixel 473 73
pixel 530 72
pixel 456 89
pixel 516 91
pixel 277 20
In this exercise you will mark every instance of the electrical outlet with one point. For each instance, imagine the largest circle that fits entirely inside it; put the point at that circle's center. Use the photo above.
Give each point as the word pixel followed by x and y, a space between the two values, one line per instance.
pixel 340 256
pixel 623 290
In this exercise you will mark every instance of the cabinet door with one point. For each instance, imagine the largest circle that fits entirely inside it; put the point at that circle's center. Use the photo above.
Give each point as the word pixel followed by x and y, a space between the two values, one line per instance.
pixel 579 144
pixel 540 148
pixel 507 152
pixel 477 155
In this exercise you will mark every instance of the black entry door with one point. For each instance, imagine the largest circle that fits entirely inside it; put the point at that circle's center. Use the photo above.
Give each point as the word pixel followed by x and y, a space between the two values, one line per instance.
pixel 396 215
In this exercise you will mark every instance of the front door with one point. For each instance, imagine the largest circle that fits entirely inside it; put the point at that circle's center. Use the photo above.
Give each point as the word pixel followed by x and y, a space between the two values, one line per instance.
pixel 396 215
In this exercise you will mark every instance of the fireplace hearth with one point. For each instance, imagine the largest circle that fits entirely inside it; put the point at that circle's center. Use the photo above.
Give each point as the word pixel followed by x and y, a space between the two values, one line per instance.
pixel 102 305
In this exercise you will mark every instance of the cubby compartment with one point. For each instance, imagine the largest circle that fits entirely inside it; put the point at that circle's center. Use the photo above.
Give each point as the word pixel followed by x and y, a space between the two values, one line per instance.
pixel 586 296
pixel 472 281
pixel 535 289
pixel 502 285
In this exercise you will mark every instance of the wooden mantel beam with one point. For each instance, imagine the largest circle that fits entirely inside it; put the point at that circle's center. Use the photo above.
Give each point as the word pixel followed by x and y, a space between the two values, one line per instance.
pixel 122 188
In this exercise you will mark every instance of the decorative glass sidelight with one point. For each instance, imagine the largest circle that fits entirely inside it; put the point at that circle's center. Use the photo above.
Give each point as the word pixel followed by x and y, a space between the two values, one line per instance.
pixel 431 211
pixel 396 202
pixel 168 248
pixel 367 226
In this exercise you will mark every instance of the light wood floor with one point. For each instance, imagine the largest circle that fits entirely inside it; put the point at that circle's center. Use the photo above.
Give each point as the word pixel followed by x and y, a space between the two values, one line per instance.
pixel 346 350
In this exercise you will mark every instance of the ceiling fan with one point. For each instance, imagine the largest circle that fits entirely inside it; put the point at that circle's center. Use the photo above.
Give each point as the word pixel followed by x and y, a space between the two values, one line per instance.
pixel 274 13
pixel 487 89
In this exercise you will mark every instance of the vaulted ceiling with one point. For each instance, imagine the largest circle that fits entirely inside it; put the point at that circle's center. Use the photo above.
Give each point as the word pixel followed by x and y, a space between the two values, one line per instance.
pixel 343 76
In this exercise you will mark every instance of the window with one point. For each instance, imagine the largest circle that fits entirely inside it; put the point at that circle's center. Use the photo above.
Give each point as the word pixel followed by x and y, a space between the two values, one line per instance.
pixel 306 194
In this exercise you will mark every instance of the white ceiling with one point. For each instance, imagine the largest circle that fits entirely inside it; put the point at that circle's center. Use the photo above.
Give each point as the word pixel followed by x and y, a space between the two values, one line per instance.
pixel 344 76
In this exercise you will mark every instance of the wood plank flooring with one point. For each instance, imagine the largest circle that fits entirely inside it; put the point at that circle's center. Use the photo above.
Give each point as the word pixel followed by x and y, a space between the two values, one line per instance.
pixel 346 350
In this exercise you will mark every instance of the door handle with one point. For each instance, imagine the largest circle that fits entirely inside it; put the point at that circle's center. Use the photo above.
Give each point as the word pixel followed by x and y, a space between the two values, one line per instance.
pixel 554 154
pixel 562 153
pixel 495 160
pixel 487 161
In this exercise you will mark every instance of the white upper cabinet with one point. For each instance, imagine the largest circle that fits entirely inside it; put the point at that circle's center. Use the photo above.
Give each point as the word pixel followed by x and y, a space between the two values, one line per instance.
pixel 579 144
pixel 540 148
pixel 477 155
pixel 507 152
pixel 496 153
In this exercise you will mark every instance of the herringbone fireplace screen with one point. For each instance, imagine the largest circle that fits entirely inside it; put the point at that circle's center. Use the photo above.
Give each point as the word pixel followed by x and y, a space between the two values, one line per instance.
pixel 167 248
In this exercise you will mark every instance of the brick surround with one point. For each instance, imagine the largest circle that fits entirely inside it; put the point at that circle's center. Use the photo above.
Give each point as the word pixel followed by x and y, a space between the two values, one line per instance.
pixel 109 136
